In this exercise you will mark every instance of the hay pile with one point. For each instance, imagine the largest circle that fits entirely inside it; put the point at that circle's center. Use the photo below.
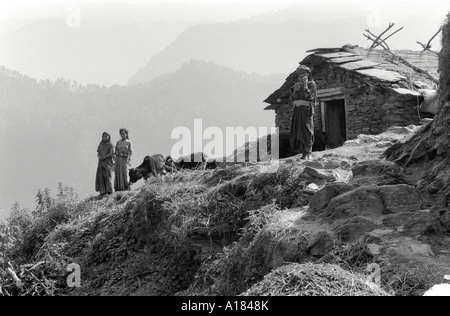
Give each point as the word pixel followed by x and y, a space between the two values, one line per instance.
pixel 314 280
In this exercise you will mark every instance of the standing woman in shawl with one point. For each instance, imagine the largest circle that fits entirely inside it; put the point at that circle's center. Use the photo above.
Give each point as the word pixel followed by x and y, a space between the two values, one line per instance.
pixel 124 151
pixel 105 153
pixel 303 99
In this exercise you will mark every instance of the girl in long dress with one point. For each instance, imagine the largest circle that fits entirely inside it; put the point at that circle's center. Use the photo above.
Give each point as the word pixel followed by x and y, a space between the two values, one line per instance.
pixel 105 153
pixel 124 151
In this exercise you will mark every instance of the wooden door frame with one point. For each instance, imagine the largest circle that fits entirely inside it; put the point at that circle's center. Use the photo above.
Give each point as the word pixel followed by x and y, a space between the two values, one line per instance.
pixel 323 111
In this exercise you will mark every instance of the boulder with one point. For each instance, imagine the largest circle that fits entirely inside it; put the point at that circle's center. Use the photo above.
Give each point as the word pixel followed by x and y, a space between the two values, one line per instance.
pixel 313 164
pixel 422 250
pixel 288 248
pixel 377 172
pixel 400 198
pixel 311 173
pixel 312 188
pixel 330 164
pixel 321 243
pixel 410 248
pixel 351 229
pixel 373 249
pixel 380 234
pixel 321 199
pixel 363 201
pixel 417 223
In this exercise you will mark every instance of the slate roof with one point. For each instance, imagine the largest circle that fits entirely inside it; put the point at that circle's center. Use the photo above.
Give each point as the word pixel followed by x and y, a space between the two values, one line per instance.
pixel 376 66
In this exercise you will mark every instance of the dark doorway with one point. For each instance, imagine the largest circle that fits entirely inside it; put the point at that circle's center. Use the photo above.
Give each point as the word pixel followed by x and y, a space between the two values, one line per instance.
pixel 335 122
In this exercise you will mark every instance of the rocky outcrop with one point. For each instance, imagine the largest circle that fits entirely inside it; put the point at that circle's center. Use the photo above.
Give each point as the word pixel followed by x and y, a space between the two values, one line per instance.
pixel 351 229
pixel 321 199
pixel 418 223
pixel 321 243
pixel 400 198
pixel 377 172
pixel 363 201
pixel 370 201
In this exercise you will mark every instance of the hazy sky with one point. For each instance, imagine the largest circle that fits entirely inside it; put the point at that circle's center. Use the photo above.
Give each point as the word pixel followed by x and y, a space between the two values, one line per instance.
pixel 51 8
pixel 242 8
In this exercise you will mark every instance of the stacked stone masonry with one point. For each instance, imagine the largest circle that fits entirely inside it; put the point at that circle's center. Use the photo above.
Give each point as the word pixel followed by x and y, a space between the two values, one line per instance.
pixel 371 107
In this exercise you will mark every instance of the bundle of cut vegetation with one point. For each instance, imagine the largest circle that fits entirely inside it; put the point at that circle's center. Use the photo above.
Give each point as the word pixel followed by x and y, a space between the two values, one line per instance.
pixel 400 276
pixel 314 280
pixel 40 279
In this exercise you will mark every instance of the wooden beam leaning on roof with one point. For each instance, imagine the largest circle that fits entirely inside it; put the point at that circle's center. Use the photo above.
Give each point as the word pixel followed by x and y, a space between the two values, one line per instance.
pixel 383 44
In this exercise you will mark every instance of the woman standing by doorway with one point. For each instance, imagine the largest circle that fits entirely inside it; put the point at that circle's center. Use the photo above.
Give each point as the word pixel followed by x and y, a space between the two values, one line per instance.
pixel 124 151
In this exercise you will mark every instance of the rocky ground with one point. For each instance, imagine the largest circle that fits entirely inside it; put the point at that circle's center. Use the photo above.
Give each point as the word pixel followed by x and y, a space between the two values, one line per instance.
pixel 347 223
pixel 365 214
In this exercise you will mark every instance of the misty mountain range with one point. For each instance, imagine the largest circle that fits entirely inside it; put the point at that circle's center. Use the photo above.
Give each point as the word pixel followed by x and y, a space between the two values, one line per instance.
pixel 138 50
pixel 269 44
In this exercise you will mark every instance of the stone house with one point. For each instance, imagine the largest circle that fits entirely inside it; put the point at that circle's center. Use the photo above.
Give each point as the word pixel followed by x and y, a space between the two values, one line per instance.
pixel 360 91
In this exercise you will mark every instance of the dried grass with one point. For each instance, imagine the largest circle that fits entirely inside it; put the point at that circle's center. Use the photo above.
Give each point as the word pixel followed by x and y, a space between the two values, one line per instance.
pixel 314 280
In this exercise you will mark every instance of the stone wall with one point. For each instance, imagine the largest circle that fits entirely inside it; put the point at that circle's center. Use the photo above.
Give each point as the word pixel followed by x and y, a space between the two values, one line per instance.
pixel 283 117
pixel 371 107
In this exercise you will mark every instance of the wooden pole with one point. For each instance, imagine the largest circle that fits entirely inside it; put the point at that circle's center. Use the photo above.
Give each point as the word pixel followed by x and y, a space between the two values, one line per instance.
pixel 419 70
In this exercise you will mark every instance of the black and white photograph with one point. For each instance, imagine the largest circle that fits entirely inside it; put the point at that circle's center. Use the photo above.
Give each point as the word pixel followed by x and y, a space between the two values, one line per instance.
pixel 225 155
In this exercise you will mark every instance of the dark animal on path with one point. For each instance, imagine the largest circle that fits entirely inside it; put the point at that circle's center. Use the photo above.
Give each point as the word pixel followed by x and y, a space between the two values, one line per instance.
pixel 192 161
pixel 152 165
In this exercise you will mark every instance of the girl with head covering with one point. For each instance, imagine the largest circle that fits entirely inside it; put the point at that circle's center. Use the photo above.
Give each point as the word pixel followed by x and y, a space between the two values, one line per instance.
pixel 124 150
pixel 105 153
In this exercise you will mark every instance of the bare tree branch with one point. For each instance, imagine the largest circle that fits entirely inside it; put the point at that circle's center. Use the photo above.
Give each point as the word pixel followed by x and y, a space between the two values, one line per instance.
pixel 377 41
pixel 391 25
pixel 370 38
pixel 384 40
pixel 427 46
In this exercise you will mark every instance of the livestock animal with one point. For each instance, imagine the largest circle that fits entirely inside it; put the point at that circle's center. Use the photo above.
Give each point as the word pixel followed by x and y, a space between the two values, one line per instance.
pixel 152 165
pixel 192 161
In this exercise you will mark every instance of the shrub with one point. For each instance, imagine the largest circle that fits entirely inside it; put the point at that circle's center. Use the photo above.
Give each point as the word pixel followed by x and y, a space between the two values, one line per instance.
pixel 49 214
pixel 7 241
